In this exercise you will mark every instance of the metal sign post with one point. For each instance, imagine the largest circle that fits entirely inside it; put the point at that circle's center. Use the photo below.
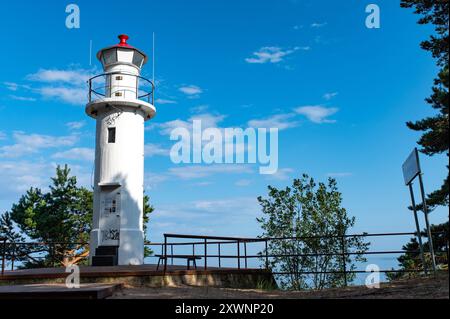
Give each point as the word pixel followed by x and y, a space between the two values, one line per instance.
pixel 411 169
pixel 419 236
pixel 425 211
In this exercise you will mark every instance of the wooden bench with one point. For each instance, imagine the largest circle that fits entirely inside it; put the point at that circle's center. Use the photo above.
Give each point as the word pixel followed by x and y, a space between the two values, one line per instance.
pixel 188 258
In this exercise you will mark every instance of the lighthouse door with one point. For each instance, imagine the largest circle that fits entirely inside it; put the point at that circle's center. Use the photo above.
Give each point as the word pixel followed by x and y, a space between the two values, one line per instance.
pixel 110 198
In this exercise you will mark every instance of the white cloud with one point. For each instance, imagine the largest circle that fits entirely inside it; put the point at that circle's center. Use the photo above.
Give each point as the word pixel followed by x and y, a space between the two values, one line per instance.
pixel 220 208
pixel 198 171
pixel 280 121
pixel 11 86
pixel 68 86
pixel 219 216
pixel 317 113
pixel 83 154
pixel 22 98
pixel 318 25
pixel 272 54
pixel 341 174
pixel 15 86
pixel 243 183
pixel 2 136
pixel 70 95
pixel 282 174
pixel 26 144
pixel 191 90
pixel 167 127
pixel 76 125
pixel 208 121
pixel 203 184
pixel 151 150
pixel 152 180
pixel 329 96
pixel 19 176
pixel 165 101
pixel 245 205
pixel 199 108
pixel 73 77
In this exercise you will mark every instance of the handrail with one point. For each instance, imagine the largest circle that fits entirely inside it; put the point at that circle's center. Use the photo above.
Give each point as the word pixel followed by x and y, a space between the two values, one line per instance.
pixel 147 96
pixel 12 251
pixel 208 237
pixel 265 255
pixel 242 239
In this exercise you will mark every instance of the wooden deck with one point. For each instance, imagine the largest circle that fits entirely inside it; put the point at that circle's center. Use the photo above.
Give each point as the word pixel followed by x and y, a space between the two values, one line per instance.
pixel 143 276
pixel 119 271
pixel 58 291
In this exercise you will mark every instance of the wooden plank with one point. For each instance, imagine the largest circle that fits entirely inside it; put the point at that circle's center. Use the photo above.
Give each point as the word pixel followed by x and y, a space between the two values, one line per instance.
pixel 58 291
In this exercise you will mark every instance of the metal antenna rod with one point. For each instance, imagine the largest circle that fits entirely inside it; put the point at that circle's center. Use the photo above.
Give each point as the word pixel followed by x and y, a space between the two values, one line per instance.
pixel 90 53
pixel 153 58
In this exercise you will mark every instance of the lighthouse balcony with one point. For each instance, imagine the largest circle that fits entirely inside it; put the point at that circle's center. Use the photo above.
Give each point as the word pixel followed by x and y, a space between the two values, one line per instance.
pixel 120 89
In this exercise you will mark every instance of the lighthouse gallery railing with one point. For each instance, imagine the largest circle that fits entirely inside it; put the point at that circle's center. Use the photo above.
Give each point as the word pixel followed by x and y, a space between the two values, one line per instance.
pixel 101 86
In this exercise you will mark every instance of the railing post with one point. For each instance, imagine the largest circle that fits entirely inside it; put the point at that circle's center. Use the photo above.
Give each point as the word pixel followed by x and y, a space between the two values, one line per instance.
pixel 344 260
pixel 171 254
pixel 446 249
pixel 53 254
pixel 13 256
pixel 206 254
pixel 3 256
pixel 239 253
pixel 90 90
pixel 220 265
pixel 245 254
pixel 152 96
pixel 165 253
pixel 267 254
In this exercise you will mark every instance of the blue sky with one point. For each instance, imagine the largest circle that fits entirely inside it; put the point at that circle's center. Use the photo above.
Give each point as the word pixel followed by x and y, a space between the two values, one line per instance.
pixel 231 64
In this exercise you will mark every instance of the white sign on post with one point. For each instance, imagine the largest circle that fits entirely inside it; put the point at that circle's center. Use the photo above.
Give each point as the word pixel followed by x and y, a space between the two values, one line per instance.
pixel 411 167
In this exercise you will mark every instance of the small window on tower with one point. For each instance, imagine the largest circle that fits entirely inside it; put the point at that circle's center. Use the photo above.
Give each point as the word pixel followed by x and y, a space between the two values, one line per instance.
pixel 111 135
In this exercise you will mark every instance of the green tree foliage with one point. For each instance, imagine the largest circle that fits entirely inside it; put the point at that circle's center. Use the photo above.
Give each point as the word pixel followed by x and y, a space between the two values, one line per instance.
pixel 435 139
pixel 8 231
pixel 413 260
pixel 61 218
pixel 148 209
pixel 314 213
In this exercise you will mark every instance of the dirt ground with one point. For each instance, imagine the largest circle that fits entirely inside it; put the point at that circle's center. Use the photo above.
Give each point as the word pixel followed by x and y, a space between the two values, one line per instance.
pixel 419 288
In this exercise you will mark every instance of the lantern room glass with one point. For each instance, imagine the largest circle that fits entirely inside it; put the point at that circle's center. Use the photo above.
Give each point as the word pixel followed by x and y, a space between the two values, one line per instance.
pixel 109 57
pixel 138 59
pixel 122 55
pixel 125 55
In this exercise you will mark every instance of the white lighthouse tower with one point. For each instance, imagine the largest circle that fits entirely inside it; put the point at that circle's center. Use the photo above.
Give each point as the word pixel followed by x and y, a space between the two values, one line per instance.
pixel 120 100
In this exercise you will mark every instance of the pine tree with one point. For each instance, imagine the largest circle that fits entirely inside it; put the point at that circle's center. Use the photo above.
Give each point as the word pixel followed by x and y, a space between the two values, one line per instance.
pixel 61 218
pixel 435 139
